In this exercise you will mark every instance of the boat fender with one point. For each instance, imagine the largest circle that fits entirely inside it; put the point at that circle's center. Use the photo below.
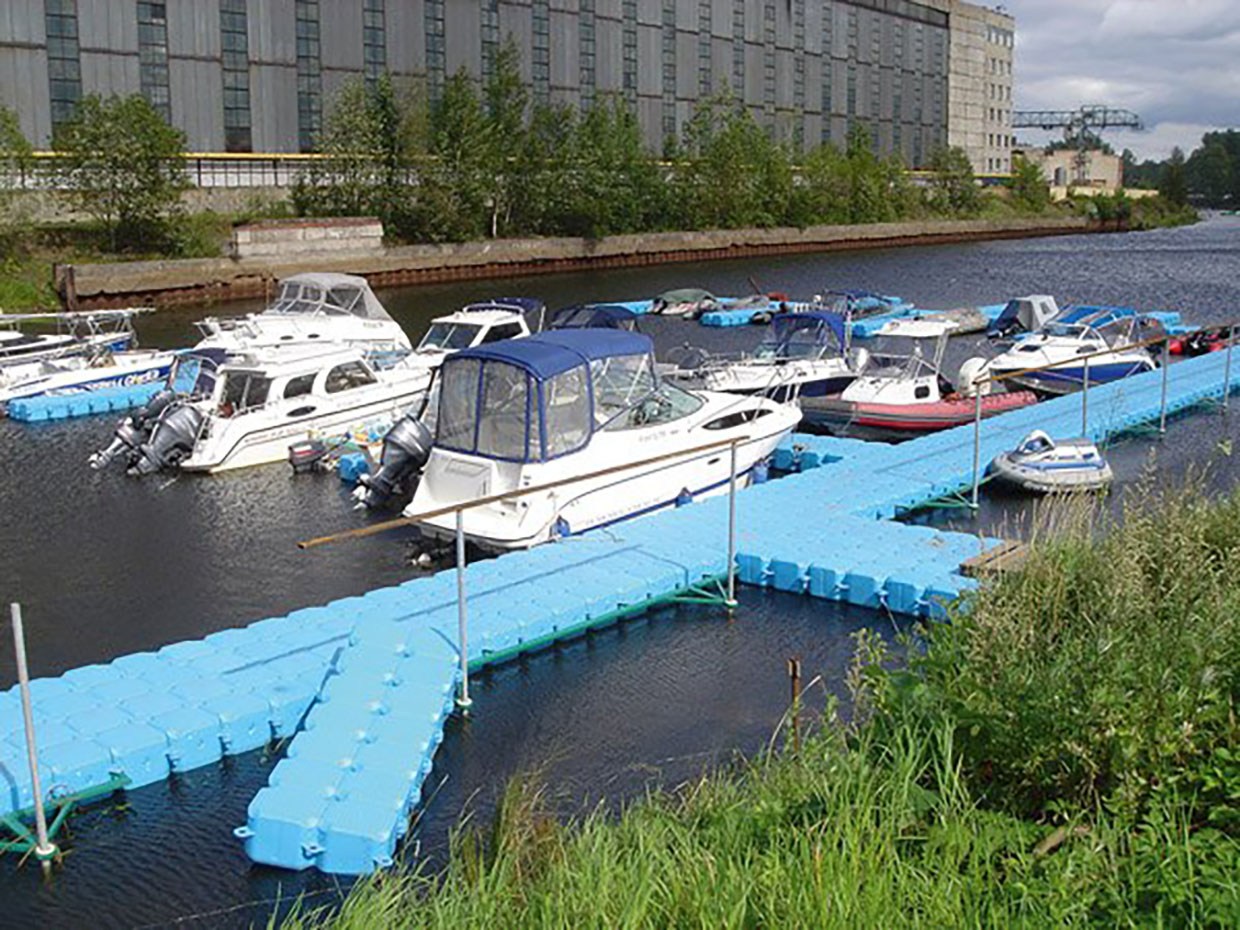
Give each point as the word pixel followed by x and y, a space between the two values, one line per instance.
pixel 684 497
pixel 406 450
pixel 761 472
pixel 561 529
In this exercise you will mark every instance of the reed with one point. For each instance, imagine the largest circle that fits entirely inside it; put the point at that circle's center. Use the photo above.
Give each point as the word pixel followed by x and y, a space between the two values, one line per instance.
pixel 1063 752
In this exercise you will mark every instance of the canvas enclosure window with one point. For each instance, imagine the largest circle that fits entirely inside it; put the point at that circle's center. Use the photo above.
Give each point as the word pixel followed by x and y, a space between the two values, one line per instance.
pixel 503 424
pixel 566 401
pixel 458 404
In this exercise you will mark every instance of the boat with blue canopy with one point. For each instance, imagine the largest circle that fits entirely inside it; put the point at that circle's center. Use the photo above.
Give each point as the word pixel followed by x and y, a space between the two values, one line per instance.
pixel 571 402
pixel 595 316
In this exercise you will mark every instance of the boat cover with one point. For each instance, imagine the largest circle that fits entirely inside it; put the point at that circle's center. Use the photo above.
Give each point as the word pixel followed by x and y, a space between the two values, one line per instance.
pixel 328 292
pixel 545 355
pixel 598 316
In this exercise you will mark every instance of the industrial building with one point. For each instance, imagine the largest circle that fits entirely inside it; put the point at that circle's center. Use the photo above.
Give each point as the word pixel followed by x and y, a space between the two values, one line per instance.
pixel 259 75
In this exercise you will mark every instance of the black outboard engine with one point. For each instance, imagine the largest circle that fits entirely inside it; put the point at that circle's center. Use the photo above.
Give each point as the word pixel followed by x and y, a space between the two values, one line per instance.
pixel 406 449
pixel 171 440
pixel 134 430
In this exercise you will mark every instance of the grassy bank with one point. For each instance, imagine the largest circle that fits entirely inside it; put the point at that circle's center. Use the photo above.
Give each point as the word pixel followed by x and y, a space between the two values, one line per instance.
pixel 1064 752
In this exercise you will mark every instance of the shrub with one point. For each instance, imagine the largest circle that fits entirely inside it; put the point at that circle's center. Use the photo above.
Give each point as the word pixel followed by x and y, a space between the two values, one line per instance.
pixel 121 164
pixel 15 158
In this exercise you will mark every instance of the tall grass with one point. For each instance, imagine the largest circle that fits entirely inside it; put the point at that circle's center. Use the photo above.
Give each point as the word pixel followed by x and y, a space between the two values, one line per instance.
pixel 1063 752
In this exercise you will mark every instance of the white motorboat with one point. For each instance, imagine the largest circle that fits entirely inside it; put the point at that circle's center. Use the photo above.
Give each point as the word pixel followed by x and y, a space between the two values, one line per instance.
pixel 1108 335
pixel 803 355
pixel 474 325
pixel 1043 465
pixel 87 332
pixel 231 410
pixel 903 390
pixel 78 374
pixel 571 402
pixel 312 308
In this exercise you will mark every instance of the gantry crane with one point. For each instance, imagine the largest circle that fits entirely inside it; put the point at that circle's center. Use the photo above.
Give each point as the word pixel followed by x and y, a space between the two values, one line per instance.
pixel 1080 127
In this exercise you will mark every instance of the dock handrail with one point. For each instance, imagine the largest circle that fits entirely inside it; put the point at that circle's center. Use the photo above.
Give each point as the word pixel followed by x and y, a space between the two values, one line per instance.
pixel 1164 340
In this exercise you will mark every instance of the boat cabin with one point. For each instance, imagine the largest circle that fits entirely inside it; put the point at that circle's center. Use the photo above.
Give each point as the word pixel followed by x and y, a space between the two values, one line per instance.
pixel 474 325
pixel 320 294
pixel 542 397
pixel 246 383
pixel 906 365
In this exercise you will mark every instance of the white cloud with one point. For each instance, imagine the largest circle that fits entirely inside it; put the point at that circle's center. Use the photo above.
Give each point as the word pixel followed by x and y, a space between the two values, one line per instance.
pixel 1174 62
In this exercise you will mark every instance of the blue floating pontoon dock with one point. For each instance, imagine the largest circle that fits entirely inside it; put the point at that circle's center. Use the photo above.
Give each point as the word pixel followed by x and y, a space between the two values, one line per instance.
pixel 83 403
pixel 362 686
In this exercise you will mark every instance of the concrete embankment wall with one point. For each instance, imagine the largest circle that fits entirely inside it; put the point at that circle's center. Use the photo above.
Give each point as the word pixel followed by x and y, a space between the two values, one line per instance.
pixel 195 280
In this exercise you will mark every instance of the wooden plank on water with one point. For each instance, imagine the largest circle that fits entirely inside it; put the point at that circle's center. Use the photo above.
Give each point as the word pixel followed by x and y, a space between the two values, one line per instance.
pixel 1005 556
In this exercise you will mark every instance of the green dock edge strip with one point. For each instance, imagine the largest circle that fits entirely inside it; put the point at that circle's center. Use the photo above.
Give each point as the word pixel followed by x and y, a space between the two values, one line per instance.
pixel 17 822
pixel 708 590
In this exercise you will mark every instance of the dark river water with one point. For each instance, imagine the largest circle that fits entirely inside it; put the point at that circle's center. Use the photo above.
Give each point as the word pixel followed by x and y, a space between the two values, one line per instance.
pixel 107 565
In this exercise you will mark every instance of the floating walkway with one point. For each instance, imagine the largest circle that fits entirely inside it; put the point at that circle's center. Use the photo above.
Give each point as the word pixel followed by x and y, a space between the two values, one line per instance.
pixel 363 685
pixel 82 404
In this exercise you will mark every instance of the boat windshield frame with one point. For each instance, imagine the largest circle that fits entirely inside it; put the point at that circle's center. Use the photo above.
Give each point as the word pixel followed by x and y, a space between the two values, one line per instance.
pixel 909 364
pixel 776 346
pixel 200 371
pixel 500 410
pixel 452 327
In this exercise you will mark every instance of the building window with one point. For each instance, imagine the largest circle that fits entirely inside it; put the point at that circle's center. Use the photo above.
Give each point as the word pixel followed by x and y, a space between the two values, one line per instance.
pixel 629 48
pixel 827 39
pixel 798 72
pixel 540 55
pixel 738 48
pixel 153 56
pixel 669 69
pixel 64 65
pixel 705 77
pixel 309 75
pixel 587 49
pixel 374 40
pixel 432 13
pixel 768 58
pixel 235 65
pixel 852 89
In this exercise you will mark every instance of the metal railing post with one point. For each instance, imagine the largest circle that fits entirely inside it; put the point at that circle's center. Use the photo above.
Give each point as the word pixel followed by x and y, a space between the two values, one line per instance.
pixel 1231 337
pixel 45 848
pixel 1166 367
pixel 463 701
pixel 977 443
pixel 731 599
pixel 1085 401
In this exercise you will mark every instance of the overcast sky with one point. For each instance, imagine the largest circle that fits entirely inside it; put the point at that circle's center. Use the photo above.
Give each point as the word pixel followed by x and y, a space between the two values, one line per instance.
pixel 1174 62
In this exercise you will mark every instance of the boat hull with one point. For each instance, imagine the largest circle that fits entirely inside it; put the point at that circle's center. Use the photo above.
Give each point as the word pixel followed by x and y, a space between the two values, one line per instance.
pixel 1051 478
pixel 1065 380
pixel 608 500
pixel 127 373
pixel 835 412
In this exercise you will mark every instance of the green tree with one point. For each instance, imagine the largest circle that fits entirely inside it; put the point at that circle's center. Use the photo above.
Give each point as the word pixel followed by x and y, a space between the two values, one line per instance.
pixel 735 174
pixel 456 202
pixel 953 189
pixel 15 160
pixel 1173 185
pixel 121 164
pixel 1029 186
pixel 1209 171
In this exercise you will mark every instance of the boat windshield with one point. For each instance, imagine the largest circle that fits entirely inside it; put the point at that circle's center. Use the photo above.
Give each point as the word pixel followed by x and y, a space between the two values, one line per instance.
pixel 792 338
pixel 301 298
pixel 904 355
pixel 1067 330
pixel 619 382
pixel 193 376
pixel 243 391
pixel 449 337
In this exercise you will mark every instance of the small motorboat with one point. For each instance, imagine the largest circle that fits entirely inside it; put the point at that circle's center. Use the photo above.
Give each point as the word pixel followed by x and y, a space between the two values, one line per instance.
pixel 80 333
pixel 685 301
pixel 474 325
pixel 858 304
pixel 572 402
pixel 903 390
pixel 224 410
pixel 1109 335
pixel 804 355
pixel 1042 465
pixel 312 308
pixel 79 374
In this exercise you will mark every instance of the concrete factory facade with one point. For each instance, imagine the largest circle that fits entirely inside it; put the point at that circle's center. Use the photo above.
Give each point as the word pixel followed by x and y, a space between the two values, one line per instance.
pixel 259 75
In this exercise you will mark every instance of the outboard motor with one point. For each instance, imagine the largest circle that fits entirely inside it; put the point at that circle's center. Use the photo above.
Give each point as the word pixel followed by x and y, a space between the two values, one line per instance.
pixel 171 441
pixel 134 430
pixel 406 449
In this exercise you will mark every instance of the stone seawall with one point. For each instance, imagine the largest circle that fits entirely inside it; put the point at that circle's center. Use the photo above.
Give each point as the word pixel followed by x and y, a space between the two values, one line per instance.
pixel 198 280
